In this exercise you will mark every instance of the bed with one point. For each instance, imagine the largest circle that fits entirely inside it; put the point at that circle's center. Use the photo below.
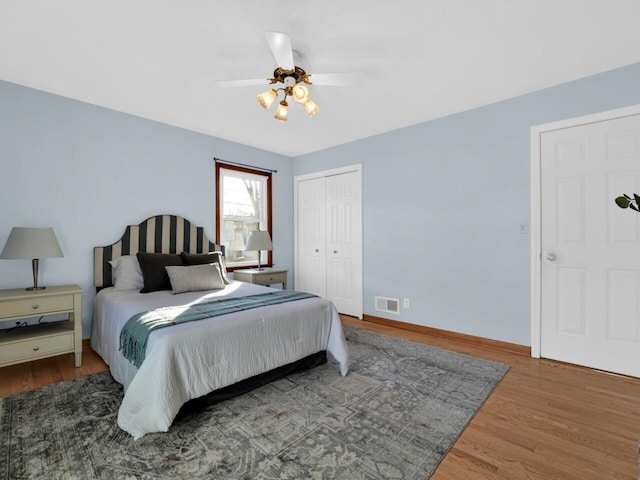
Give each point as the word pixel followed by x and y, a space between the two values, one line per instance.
pixel 190 361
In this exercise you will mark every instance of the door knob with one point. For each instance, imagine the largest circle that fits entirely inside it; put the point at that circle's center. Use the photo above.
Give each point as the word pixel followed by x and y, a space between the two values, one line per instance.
pixel 551 256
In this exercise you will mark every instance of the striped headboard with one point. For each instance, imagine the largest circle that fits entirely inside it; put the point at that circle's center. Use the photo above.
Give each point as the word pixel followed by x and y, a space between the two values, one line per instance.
pixel 159 234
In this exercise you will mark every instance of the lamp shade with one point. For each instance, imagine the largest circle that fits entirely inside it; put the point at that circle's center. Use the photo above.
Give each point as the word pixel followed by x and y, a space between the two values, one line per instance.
pixel 282 111
pixel 259 240
pixel 266 99
pixel 30 243
pixel 300 93
pixel 311 108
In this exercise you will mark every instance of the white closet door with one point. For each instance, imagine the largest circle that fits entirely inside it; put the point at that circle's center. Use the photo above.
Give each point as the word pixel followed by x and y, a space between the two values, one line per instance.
pixel 312 251
pixel 329 237
pixel 344 242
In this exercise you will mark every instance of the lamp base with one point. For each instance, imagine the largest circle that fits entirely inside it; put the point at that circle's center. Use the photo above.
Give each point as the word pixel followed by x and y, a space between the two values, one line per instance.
pixel 34 267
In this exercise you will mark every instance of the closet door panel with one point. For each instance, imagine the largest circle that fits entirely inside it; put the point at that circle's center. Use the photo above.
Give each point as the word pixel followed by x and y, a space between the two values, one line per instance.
pixel 312 252
pixel 344 242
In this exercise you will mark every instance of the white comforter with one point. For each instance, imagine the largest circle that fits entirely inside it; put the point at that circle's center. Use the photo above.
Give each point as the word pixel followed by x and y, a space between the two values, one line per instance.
pixel 189 360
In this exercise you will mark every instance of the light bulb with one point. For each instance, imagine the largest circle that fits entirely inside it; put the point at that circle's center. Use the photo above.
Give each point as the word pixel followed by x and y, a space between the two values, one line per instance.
pixel 266 99
pixel 300 93
pixel 311 108
pixel 281 112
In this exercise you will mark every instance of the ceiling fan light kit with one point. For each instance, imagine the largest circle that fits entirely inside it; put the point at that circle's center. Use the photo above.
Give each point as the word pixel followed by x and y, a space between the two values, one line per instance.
pixel 292 81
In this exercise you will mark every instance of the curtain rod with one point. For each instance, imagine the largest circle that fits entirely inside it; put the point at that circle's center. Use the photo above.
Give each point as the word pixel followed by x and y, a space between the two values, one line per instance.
pixel 220 160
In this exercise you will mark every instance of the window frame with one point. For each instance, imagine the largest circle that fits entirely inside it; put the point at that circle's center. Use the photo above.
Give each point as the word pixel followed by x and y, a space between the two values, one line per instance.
pixel 268 217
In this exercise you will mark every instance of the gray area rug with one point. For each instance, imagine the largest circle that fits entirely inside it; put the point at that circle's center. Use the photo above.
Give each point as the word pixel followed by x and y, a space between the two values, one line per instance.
pixel 394 416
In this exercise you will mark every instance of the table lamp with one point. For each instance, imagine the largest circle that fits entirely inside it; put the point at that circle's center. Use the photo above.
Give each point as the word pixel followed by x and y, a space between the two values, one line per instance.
pixel 259 241
pixel 32 243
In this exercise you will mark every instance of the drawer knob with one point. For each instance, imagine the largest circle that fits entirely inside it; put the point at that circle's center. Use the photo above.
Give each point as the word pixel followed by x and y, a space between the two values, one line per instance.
pixel 35 349
pixel 36 306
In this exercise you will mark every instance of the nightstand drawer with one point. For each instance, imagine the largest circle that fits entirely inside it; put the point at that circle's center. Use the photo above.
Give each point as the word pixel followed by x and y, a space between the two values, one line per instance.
pixel 268 276
pixel 16 308
pixel 271 278
pixel 30 349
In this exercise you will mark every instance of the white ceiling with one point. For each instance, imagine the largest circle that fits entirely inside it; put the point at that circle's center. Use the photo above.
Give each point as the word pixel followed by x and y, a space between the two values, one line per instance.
pixel 423 59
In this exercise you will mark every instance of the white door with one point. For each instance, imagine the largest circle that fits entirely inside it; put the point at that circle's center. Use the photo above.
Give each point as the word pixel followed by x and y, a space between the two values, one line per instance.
pixel 590 263
pixel 329 237
pixel 312 251
pixel 344 242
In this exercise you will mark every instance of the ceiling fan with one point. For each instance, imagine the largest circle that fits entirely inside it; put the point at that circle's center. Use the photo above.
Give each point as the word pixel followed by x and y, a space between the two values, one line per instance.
pixel 288 78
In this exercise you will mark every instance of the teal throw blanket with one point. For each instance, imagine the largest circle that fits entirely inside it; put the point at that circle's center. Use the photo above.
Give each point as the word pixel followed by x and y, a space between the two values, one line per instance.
pixel 135 334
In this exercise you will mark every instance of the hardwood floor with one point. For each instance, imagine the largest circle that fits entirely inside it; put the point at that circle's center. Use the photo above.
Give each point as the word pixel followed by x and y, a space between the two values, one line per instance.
pixel 546 420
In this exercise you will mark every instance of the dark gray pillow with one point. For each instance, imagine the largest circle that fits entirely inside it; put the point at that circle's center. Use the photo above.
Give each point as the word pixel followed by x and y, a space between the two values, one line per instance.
pixel 204 258
pixel 154 275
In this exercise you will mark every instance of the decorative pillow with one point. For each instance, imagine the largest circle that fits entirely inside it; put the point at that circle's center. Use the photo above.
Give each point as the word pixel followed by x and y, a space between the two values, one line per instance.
pixel 126 273
pixel 202 258
pixel 154 274
pixel 194 278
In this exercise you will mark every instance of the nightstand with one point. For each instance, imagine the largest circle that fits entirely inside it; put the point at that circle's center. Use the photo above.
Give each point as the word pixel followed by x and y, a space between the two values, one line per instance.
pixel 266 276
pixel 23 344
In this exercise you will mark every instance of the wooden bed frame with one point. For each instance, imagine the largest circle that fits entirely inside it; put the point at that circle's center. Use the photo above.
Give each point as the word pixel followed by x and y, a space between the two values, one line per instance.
pixel 157 234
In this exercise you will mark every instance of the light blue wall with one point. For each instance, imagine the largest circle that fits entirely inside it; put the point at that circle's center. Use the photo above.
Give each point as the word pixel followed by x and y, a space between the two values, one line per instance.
pixel 443 201
pixel 89 171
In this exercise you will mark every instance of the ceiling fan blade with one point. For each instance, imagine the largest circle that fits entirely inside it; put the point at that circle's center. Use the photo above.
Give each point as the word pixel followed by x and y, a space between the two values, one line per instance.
pixel 336 79
pixel 241 83
pixel 280 44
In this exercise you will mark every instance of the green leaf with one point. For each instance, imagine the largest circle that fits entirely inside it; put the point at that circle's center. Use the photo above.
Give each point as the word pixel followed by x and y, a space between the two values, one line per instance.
pixel 623 202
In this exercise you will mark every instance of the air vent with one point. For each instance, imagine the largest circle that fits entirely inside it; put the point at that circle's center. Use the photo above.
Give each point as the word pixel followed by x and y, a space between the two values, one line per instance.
pixel 388 305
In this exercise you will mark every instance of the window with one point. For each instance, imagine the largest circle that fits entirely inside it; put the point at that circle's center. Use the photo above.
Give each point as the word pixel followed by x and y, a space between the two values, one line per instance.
pixel 243 205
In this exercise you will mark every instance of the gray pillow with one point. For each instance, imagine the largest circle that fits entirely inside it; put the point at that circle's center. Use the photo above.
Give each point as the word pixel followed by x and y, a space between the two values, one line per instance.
pixel 202 258
pixel 194 278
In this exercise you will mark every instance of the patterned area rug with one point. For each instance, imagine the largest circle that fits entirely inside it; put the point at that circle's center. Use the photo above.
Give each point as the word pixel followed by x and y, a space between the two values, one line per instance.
pixel 394 416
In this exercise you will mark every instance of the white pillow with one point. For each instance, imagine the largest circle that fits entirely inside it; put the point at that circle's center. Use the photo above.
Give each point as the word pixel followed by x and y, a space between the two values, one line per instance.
pixel 194 278
pixel 127 274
